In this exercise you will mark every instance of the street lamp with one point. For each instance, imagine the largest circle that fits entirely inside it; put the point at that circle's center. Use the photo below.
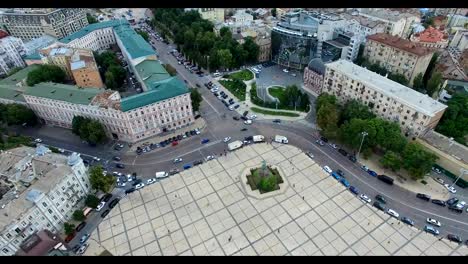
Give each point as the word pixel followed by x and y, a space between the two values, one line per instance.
pixel 364 134
pixel 462 172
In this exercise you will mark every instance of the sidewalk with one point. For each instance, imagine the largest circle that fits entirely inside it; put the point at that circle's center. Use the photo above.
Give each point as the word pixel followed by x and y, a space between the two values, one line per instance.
pixel 199 123
pixel 432 188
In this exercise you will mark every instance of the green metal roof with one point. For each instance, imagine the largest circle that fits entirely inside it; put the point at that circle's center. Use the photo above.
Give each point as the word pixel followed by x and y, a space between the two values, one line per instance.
pixel 161 90
pixel 34 56
pixel 11 92
pixel 151 72
pixel 91 27
pixel 135 44
pixel 19 76
pixel 63 92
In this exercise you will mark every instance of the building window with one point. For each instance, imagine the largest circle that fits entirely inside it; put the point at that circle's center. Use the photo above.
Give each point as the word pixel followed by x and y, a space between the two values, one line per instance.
pixel 5 250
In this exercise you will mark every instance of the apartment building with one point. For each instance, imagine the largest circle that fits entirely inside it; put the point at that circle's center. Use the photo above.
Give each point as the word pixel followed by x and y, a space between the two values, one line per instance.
pixel 28 24
pixel 47 188
pixel 264 43
pixel 431 38
pixel 59 56
pixel 398 55
pixel 416 113
pixel 33 46
pixel 397 23
pixel 11 51
pixel 84 69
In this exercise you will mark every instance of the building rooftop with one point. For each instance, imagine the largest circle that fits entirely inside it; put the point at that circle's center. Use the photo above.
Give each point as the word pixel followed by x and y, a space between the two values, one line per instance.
pixel 385 14
pixel 151 72
pixel 159 91
pixel 317 65
pixel 19 76
pixel 400 43
pixel 63 92
pixel 13 93
pixel 32 175
pixel 362 20
pixel 418 101
pixel 431 35
pixel 38 43
pixel 77 65
pixel 445 144
pixel 42 243
pixel 133 42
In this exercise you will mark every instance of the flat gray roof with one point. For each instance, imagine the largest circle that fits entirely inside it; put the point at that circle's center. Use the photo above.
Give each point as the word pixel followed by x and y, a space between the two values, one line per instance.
pixel 405 95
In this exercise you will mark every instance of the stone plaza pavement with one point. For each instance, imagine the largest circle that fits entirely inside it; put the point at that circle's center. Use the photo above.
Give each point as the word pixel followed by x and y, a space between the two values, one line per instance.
pixel 205 211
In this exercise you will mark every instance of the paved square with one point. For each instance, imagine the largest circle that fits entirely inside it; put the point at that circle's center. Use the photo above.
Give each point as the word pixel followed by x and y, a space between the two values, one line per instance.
pixel 204 211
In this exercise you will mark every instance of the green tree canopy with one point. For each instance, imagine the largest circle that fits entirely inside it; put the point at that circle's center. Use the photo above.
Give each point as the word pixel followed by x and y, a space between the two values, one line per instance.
pixel 417 161
pixel 17 114
pixel 391 160
pixel 355 109
pixel 78 215
pixel 91 19
pixel 99 181
pixel 90 130
pixel 91 201
pixel 418 83
pixel 454 122
pixel 273 12
pixel 143 34
pixel 434 83
pixel 252 49
pixel 196 98
pixel 69 228
pixel 46 73
pixel 327 119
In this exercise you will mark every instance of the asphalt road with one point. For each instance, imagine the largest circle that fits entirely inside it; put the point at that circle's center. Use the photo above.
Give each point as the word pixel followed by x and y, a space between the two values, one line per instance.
pixel 218 127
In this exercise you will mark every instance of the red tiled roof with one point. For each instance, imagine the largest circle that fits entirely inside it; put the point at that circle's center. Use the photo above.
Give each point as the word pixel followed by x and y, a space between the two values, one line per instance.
pixel 400 43
pixel 3 34
pixel 432 35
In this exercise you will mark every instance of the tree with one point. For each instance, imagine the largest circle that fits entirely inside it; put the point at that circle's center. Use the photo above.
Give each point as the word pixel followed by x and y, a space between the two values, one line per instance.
pixel 252 49
pixel 196 98
pixel 323 99
pixel 98 180
pixel 454 122
pixel 399 78
pixel 17 114
pixel 77 123
pixel 225 57
pixel 434 83
pixel 118 73
pixel 14 70
pixel 110 80
pixel 360 57
pixel 46 73
pixel 225 32
pixel 143 34
pixel 267 184
pixel 273 12
pixel 430 68
pixel 96 132
pixel 91 19
pixel 327 119
pixel 91 201
pixel 355 109
pixel 391 160
pixel 69 228
pixel 417 161
pixel 418 83
pixel 78 215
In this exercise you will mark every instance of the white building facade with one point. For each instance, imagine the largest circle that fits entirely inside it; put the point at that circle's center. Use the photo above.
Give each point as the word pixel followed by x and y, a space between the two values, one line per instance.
pixel 48 202
pixel 11 51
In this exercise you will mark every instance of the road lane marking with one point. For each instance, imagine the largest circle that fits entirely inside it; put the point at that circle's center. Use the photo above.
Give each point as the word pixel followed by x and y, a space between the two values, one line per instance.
pixel 208 102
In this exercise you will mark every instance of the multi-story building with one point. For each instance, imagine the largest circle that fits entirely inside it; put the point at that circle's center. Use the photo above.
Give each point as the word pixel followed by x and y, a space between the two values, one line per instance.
pixel 397 23
pixel 300 35
pixel 33 46
pixel 41 191
pixel 11 51
pixel 398 55
pixel 56 22
pixel 457 21
pixel 416 113
pixel 460 40
pixel 242 18
pixel 431 38
pixel 44 243
pixel 59 56
pixel 85 70
pixel 313 76
pixel 264 43
pixel 215 15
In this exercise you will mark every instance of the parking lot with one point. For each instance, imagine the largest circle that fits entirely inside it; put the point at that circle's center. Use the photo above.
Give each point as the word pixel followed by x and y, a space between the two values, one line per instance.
pixel 206 211
pixel 274 75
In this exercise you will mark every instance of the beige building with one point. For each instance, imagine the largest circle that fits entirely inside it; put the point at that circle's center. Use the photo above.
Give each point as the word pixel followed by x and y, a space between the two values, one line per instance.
pixel 264 43
pixel 416 113
pixel 85 70
pixel 59 56
pixel 28 23
pixel 398 55
pixel 215 15
pixel 397 22
pixel 313 76
pixel 431 38
pixel 47 189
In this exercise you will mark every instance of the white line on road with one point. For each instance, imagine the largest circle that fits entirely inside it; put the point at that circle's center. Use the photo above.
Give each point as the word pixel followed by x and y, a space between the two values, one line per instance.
pixel 204 99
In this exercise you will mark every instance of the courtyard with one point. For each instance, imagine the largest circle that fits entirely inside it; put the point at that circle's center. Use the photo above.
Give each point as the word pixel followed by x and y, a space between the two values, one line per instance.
pixel 274 75
pixel 206 210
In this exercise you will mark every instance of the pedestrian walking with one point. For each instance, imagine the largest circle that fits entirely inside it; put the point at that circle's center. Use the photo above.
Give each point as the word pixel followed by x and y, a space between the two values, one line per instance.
pixel 303 198
pixel 229 239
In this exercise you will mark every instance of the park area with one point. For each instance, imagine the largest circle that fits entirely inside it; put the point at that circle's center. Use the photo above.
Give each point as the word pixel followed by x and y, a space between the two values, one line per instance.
pixel 276 113
pixel 236 87
pixel 244 75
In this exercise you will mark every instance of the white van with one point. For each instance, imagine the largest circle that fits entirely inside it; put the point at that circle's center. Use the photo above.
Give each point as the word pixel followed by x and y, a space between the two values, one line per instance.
pixel 216 74
pixel 281 139
pixel 161 174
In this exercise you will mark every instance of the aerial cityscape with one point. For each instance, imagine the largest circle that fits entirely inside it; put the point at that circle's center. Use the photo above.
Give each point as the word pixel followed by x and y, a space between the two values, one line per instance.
pixel 233 131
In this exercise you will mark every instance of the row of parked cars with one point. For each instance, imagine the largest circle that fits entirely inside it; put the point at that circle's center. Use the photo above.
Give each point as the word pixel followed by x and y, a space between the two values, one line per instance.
pixel 173 141
pixel 323 141
pixel 380 204
pixel 222 96
pixel 453 203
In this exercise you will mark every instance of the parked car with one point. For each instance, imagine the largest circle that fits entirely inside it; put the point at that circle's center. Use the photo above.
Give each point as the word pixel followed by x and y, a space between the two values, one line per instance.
pixel 365 198
pixel 354 190
pixel 209 158
pixel 352 158
pixel 100 206
pixel 177 160
pixel 226 139
pixel 114 203
pixel 431 230
pixel 150 181
pixel 120 165
pixel 372 173
pixel 327 169
pixel 139 186
pixel 439 202
pixel 343 152
pixel 454 238
pixel 379 206
pixel 82 249
pixel 277 121
pixel 408 221
pixel 423 196
pixel 205 140
pixel 432 221
pixel 187 166
pixel 197 162
pixel 106 198
pixel 455 209
pixel 173 171
pixel 84 238
pixel 80 226
pixel 320 142
pixel 393 213
pixel 452 201
pixel 344 182
pixel 308 153
pixel 439 180
pixel 364 168
pixel 340 172
pixel 105 213
pixel 116 158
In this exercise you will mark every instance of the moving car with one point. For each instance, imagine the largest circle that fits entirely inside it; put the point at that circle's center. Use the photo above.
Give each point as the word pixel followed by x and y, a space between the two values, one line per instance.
pixel 277 121
pixel 209 158
pixel 393 213
pixel 205 140
pixel 433 221
pixel 380 198
pixel 38 140
pixel 177 160
pixel 226 139
pixel 365 198
pixel 431 230
pixel 120 165
pixel 281 139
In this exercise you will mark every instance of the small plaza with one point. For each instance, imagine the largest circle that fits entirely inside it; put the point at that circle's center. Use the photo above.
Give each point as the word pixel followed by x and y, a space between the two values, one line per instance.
pixel 206 211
